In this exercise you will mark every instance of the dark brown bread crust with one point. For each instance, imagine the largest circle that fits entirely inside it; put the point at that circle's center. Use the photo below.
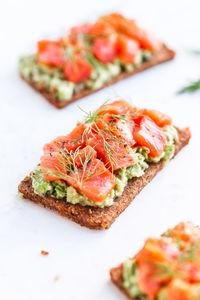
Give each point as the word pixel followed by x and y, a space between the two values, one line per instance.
pixel 165 54
pixel 101 218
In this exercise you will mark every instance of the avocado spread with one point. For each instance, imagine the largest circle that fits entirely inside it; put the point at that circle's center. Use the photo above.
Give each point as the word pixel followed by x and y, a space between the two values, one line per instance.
pixel 130 279
pixel 130 282
pixel 52 80
pixel 49 78
pixel 61 190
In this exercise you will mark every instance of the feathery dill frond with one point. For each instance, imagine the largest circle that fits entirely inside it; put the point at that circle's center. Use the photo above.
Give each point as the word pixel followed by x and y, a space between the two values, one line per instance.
pixel 190 88
pixel 109 136
pixel 66 166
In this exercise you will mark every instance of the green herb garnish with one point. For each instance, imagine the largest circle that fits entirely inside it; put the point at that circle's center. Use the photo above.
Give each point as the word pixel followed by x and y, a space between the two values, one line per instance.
pixel 66 166
pixel 193 86
pixel 197 52
pixel 190 88
pixel 190 253
pixel 164 269
pixel 110 138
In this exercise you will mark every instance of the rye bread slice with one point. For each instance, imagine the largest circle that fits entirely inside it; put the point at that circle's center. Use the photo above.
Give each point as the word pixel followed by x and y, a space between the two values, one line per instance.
pixel 101 218
pixel 163 55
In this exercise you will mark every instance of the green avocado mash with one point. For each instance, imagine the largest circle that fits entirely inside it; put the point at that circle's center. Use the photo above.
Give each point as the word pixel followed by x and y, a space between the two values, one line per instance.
pixel 42 187
pixel 143 56
pixel 102 74
pixel 162 294
pixel 130 279
pixel 61 190
pixel 168 153
pixel 51 78
pixel 130 283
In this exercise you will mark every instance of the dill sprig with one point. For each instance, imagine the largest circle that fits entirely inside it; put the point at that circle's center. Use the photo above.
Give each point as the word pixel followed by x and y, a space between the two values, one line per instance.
pixel 90 116
pixel 190 253
pixel 93 61
pixel 108 134
pixel 191 87
pixel 197 52
pixel 178 242
pixel 110 138
pixel 109 147
pixel 66 166
pixel 164 269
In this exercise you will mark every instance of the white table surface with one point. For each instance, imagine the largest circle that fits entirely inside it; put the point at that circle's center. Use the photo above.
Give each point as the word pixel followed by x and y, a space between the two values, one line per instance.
pixel 81 257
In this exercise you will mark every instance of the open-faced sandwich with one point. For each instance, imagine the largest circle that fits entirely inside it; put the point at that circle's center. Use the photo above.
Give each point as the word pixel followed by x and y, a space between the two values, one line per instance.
pixel 93 173
pixel 91 57
pixel 167 268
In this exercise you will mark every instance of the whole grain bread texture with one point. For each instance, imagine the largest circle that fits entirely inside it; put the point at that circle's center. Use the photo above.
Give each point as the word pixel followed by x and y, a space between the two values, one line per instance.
pixel 101 218
pixel 163 55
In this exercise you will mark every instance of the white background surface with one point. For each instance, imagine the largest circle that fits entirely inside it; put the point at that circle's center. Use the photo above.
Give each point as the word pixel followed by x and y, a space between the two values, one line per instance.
pixel 81 257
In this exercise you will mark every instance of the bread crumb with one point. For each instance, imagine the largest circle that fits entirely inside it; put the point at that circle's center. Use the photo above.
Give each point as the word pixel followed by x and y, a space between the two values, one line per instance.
pixel 44 252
